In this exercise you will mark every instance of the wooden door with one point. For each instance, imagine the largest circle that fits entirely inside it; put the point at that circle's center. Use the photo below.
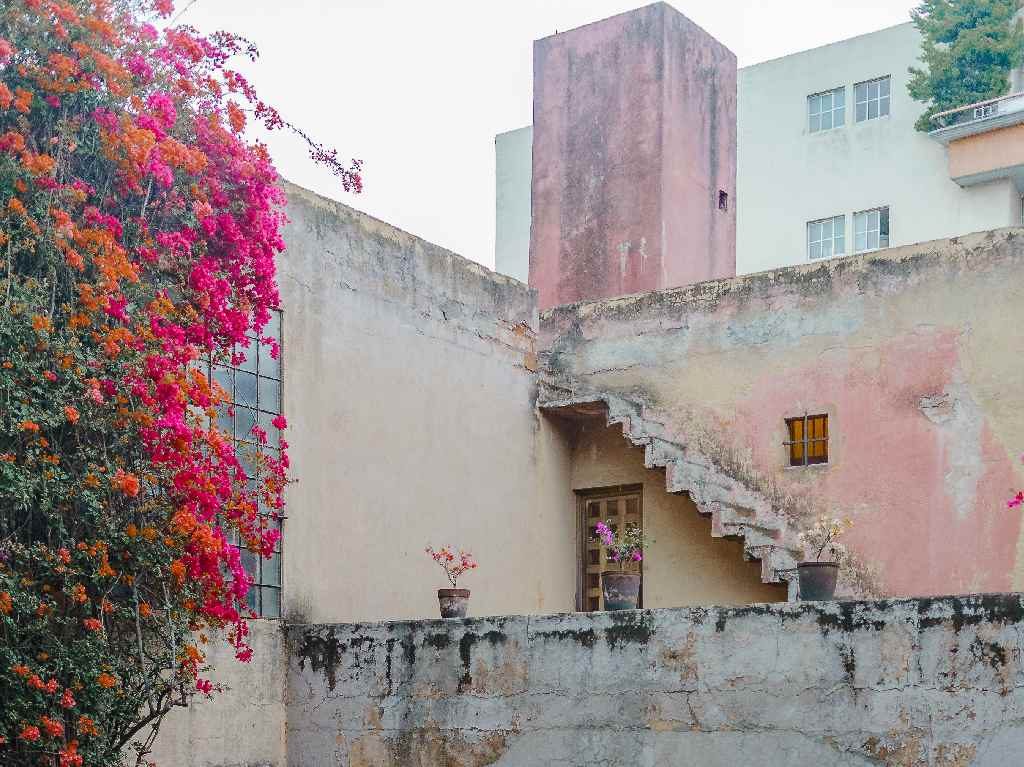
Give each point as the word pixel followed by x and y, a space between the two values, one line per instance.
pixel 617 506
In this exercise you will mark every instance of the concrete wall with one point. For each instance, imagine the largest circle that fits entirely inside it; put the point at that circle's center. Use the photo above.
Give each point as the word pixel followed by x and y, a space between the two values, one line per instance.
pixel 683 563
pixel 409 391
pixel 914 355
pixel 244 724
pixel 910 683
pixel 633 137
pixel 512 153
pixel 788 176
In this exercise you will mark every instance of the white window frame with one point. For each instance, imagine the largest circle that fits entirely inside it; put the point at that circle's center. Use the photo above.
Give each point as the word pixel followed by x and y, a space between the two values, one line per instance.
pixel 816 237
pixel 873 226
pixel 882 103
pixel 836 111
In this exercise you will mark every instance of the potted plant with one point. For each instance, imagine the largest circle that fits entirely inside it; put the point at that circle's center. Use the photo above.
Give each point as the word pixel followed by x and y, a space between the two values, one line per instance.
pixel 818 576
pixel 621 588
pixel 454 601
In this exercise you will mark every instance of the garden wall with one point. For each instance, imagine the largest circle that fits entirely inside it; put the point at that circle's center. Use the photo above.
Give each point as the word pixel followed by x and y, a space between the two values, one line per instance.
pixel 900 682
pixel 913 353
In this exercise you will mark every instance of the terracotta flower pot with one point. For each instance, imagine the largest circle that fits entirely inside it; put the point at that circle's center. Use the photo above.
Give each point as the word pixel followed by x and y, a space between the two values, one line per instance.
pixel 453 602
pixel 621 590
pixel 817 580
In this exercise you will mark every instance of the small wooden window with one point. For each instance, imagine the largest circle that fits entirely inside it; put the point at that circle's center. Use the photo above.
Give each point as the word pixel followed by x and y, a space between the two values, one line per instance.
pixel 808 440
pixel 618 506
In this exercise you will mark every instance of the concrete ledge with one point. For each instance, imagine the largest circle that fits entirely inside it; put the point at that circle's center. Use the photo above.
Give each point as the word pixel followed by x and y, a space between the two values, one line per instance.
pixel 928 681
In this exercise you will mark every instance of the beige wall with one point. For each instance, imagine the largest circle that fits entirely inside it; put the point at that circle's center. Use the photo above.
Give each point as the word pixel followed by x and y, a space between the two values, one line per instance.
pixel 245 724
pixel 983 153
pixel 409 391
pixel 683 564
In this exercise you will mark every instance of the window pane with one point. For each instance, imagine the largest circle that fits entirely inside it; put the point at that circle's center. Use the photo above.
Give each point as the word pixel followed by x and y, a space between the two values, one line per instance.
pixel 862 112
pixel 883 221
pixel 273 327
pixel 873 240
pixel 883 87
pixel 826 229
pixel 872 110
pixel 244 420
pixel 839 117
pixel 826 120
pixel 222 377
pixel 860 223
pixel 814 250
pixel 273 435
pixel 271 603
pixel 860 242
pixel 224 419
pixel 861 92
pixel 271 571
pixel 270 395
pixel 883 107
pixel 840 245
pixel 249 363
pixel 245 389
pixel 826 249
pixel 873 90
pixel 249 561
pixel 814 104
pixel 813 231
pixel 268 365
pixel 815 123
pixel 839 97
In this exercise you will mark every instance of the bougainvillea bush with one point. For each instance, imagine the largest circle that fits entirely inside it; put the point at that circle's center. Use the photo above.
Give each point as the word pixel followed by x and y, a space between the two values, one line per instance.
pixel 138 231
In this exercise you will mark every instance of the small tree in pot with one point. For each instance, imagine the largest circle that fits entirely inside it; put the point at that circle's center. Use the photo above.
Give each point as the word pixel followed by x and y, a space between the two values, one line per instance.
pixel 818 576
pixel 621 588
pixel 454 601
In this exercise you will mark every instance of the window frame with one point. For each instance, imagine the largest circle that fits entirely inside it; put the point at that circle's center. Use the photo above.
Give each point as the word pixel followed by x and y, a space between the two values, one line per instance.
pixel 805 442
pixel 842 237
pixel 868 100
pixel 884 216
pixel 831 111
pixel 242 443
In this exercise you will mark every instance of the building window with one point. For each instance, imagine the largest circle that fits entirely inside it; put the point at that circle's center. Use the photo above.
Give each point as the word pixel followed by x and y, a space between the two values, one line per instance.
pixel 618 506
pixel 723 200
pixel 871 230
pixel 872 99
pixel 253 387
pixel 826 237
pixel 808 440
pixel 826 110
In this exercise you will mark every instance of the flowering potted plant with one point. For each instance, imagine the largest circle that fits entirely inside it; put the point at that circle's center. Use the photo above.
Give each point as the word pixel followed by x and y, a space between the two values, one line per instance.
pixel 621 588
pixel 818 576
pixel 454 601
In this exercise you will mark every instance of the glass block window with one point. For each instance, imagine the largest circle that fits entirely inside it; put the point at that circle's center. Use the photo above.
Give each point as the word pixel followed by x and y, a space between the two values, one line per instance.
pixel 808 440
pixel 618 507
pixel 253 386
pixel 871 99
pixel 826 110
pixel 826 237
pixel 871 230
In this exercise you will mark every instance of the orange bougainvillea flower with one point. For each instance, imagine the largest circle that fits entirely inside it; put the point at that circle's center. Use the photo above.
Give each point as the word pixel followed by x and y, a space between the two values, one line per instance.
pixel 6 97
pixel 178 570
pixel 125 482
pixel 92 624
pixel 23 100
pixel 106 681
pixel 86 726
pixel 41 322
pixel 6 605
pixel 71 413
pixel 31 426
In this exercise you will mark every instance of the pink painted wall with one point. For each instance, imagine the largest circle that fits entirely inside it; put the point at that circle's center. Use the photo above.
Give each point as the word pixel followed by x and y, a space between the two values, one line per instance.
pixel 914 354
pixel 634 134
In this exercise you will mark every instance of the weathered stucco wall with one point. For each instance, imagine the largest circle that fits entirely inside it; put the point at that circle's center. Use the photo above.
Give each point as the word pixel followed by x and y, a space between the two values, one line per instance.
pixel 244 724
pixel 634 134
pixel 409 391
pixel 913 682
pixel 914 353
pixel 683 563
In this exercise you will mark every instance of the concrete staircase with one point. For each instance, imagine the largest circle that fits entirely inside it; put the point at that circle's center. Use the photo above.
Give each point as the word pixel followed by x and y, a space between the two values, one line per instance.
pixel 736 509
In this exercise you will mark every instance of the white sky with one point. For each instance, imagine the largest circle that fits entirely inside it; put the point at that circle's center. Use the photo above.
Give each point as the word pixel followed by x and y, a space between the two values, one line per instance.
pixel 417 90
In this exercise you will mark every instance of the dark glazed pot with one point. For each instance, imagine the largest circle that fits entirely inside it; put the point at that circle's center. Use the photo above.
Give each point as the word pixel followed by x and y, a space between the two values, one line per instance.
pixel 621 590
pixel 454 602
pixel 817 580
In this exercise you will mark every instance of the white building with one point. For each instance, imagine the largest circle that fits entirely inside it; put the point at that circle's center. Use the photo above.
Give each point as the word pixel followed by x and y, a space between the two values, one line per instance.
pixel 829 162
